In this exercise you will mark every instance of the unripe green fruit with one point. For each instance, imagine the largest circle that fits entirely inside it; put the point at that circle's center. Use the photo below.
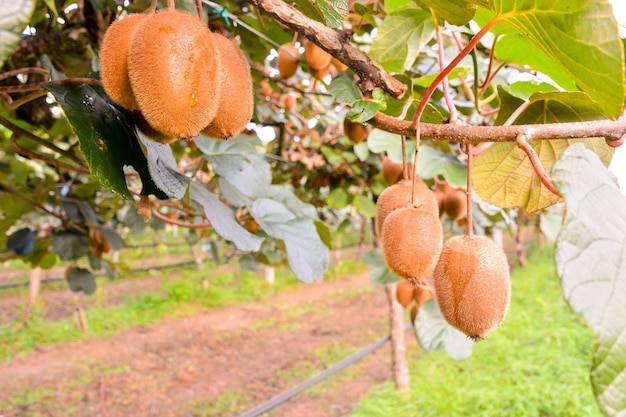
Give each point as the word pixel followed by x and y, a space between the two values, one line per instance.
pixel 173 66
pixel 473 285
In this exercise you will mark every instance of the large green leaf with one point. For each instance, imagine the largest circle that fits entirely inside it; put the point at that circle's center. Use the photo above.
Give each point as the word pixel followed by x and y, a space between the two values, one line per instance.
pixel 581 36
pixel 166 174
pixel 518 49
pixel 401 36
pixel 433 332
pixel 503 174
pixel 591 263
pixel 14 16
pixel 106 136
pixel 331 13
pixel 456 12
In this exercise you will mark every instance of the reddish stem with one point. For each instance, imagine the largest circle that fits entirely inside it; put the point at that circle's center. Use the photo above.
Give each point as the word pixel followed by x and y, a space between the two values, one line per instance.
pixel 522 142
pixel 446 88
pixel 443 74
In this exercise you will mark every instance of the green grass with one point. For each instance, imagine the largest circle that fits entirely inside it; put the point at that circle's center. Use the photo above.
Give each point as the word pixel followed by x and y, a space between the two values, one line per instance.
pixel 177 297
pixel 535 365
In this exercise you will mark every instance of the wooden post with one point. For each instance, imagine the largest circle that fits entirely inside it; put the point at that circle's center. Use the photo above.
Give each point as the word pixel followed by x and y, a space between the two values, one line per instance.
pixel 399 363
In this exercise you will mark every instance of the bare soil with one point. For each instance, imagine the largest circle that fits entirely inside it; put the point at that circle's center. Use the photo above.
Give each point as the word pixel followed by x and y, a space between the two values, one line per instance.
pixel 221 362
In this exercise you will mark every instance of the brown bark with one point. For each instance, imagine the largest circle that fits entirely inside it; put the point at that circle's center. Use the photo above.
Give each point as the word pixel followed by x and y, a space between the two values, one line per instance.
pixel 399 363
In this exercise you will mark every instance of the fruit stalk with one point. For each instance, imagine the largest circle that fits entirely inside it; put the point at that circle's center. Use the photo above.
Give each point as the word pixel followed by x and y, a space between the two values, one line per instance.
pixel 470 226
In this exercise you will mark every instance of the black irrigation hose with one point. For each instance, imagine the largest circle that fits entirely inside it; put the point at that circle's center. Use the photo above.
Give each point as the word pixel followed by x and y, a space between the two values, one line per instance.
pixel 287 395
pixel 57 279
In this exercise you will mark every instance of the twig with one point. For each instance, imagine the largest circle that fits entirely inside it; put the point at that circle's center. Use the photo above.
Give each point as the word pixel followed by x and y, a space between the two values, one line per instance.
pixel 335 43
pixel 611 130
pixel 522 142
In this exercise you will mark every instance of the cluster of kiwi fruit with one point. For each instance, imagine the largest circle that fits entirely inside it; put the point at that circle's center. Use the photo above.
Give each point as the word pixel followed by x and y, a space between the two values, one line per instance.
pixel 414 297
pixel 470 273
pixel 176 76
pixel 318 61
pixel 452 201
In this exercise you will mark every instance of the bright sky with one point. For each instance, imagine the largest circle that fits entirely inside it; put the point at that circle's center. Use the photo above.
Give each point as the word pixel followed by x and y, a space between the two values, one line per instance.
pixel 618 164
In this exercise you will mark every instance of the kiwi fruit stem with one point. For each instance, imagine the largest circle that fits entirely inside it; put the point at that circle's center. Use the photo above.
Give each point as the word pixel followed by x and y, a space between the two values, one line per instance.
pixel 417 150
pixel 469 231
pixel 152 8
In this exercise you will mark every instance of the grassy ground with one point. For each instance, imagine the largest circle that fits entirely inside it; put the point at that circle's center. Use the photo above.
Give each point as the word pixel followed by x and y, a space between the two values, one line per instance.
pixel 178 296
pixel 536 364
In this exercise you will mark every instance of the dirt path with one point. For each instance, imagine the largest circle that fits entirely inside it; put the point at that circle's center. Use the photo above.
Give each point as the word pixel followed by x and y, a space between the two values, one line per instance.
pixel 224 362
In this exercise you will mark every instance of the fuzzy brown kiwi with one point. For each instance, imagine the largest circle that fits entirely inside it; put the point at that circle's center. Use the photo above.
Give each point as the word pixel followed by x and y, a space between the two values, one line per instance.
pixel 411 242
pixel 392 171
pixel 414 310
pixel 421 295
pixel 319 73
pixel 404 293
pixel 114 60
pixel 455 204
pixel 236 98
pixel 399 196
pixel 173 66
pixel 287 61
pixel 142 125
pixel 339 66
pixel 472 284
pixel 316 58
pixel 356 132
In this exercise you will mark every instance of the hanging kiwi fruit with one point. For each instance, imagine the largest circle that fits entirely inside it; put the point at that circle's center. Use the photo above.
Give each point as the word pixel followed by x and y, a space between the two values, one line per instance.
pixel 236 99
pixel 287 61
pixel 472 280
pixel 356 132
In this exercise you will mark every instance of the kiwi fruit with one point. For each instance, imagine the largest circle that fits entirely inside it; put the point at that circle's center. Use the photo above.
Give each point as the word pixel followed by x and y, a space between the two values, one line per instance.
pixel 404 293
pixel 356 132
pixel 421 295
pixel 236 97
pixel 339 66
pixel 173 66
pixel 411 242
pixel 455 204
pixel 472 284
pixel 114 60
pixel 142 125
pixel 392 171
pixel 287 61
pixel 319 73
pixel 414 310
pixel 316 58
pixel 399 196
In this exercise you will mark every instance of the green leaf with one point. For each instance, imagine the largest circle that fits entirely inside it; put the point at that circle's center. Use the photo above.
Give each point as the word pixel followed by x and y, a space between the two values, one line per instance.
pixel 165 171
pixel 14 16
pixel 345 90
pixel 401 36
pixel 69 244
pixel 456 12
pixel 379 272
pixel 518 49
pixel 503 174
pixel 106 136
pixel 113 238
pixel 307 254
pixel 331 13
pixel 81 279
pixel 433 332
pixel 431 161
pixel 337 198
pixel 238 162
pixel 581 37
pixel 362 111
pixel 365 206
pixel 591 263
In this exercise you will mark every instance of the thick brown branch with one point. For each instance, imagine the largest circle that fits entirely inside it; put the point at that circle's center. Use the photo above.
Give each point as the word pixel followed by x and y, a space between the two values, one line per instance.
pixel 335 43
pixel 611 130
